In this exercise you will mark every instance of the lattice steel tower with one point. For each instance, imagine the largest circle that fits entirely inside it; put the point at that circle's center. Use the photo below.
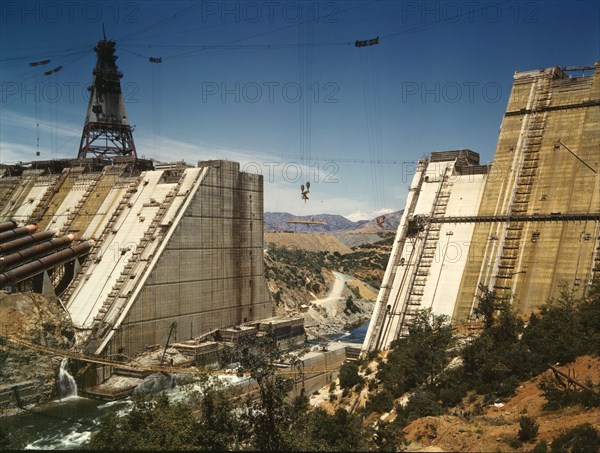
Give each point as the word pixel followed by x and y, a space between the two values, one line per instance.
pixel 107 132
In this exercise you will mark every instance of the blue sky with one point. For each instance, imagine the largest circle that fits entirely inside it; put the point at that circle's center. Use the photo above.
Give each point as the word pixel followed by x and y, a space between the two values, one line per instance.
pixel 280 87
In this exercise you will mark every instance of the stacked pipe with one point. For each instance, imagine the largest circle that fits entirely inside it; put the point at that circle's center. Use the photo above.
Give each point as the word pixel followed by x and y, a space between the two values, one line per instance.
pixel 17 244
pixel 16 232
pixel 24 253
pixel 6 261
pixel 7 225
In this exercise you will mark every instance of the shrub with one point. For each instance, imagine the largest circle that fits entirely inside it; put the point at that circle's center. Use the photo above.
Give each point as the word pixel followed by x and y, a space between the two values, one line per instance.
pixel 452 394
pixel 540 447
pixel 380 402
pixel 422 404
pixel 349 376
pixel 528 429
pixel 581 439
pixel 515 443
pixel 351 307
pixel 558 396
pixel 372 355
pixel 415 359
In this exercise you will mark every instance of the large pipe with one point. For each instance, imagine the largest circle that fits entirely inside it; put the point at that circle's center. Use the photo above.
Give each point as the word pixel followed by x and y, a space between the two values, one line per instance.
pixel 16 232
pixel 24 241
pixel 36 250
pixel 11 224
pixel 47 262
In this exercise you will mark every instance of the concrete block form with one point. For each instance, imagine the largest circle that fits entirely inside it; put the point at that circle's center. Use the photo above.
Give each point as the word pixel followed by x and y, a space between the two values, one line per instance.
pixel 525 227
pixel 177 244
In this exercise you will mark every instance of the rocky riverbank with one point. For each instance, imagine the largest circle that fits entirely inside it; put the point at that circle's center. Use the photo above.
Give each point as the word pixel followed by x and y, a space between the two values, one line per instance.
pixel 29 377
pixel 348 305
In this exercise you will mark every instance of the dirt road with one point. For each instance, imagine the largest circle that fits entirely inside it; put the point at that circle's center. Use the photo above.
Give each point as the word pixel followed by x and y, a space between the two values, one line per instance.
pixel 338 288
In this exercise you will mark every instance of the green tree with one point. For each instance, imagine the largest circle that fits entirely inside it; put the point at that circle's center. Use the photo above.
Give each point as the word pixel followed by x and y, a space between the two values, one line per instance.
pixel 422 403
pixel 418 357
pixel 349 376
pixel 494 361
pixel 487 306
pixel 272 421
pixel 556 335
pixel 219 429
pixel 338 432
pixel 389 436
pixel 381 402
pixel 153 423
pixel 528 429
pixel 583 438
pixel 540 447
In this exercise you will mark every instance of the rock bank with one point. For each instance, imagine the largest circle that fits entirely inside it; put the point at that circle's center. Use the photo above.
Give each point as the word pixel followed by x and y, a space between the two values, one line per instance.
pixel 29 377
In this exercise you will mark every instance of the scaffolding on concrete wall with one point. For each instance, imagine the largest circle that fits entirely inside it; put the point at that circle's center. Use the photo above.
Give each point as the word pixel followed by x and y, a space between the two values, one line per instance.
pixel 527 226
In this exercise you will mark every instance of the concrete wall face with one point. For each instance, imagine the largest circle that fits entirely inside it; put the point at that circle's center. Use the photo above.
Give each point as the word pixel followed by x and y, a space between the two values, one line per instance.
pixel 542 206
pixel 210 273
pixel 425 266
pixel 180 245
pixel 548 254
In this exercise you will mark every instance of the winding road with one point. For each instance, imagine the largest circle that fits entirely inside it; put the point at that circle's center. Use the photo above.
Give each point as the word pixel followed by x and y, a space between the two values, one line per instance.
pixel 337 289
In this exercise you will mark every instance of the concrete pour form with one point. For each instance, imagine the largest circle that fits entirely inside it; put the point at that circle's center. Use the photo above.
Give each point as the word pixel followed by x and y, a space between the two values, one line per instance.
pixel 526 226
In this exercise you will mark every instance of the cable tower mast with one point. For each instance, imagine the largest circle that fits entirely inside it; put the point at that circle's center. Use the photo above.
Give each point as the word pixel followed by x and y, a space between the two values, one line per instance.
pixel 107 133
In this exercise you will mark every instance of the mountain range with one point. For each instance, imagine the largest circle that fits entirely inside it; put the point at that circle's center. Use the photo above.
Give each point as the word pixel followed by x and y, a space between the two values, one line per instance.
pixel 278 221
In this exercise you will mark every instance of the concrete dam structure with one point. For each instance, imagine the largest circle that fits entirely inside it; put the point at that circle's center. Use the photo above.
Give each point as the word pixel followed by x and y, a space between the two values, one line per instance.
pixel 526 226
pixel 131 247
pixel 177 244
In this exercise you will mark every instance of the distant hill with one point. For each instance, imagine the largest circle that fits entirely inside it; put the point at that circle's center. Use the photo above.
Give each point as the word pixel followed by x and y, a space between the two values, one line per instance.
pixel 387 222
pixel 278 221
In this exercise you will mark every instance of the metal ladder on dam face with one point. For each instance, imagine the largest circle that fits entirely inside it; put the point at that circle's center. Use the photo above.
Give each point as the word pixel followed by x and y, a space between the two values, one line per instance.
pixel 89 206
pixel 44 203
pixel 68 181
pixel 521 195
pixel 18 195
pixel 386 286
pixel 77 210
pixel 153 233
pixel 8 193
pixel 93 255
pixel 596 264
pixel 426 256
pixel 596 270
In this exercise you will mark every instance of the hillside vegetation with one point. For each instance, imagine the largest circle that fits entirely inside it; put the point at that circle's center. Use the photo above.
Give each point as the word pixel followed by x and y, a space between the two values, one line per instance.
pixel 316 242
pixel 432 389
pixel 296 276
pixel 367 262
pixel 433 374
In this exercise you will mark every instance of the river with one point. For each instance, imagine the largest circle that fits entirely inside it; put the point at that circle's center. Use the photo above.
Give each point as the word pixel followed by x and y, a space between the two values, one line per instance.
pixel 354 336
pixel 59 425
pixel 67 424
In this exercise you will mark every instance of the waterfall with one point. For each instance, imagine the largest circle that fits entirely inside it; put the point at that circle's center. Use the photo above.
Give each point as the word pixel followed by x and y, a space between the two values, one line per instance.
pixel 66 384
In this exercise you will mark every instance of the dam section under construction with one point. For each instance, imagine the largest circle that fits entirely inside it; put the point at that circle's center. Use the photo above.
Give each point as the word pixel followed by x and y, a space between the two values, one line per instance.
pixel 526 227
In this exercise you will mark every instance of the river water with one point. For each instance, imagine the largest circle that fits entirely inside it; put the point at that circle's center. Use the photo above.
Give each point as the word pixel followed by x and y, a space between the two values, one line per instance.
pixel 356 336
pixel 68 423
pixel 63 424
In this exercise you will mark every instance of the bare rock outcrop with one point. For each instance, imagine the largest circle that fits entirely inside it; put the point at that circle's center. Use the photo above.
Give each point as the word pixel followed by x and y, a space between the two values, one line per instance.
pixel 28 377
